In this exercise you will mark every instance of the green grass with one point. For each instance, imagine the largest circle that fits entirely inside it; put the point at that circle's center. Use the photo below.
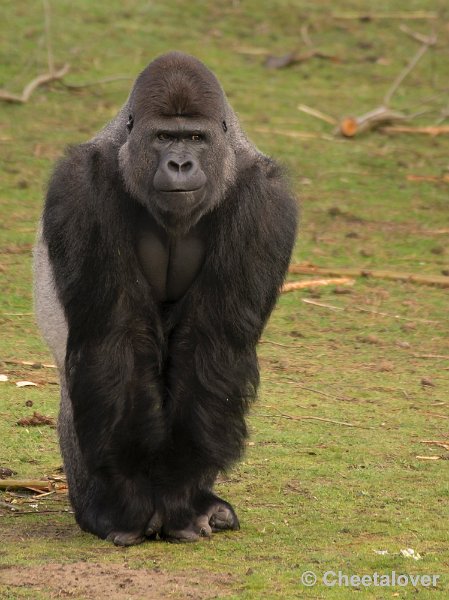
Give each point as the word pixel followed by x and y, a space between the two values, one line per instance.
pixel 311 495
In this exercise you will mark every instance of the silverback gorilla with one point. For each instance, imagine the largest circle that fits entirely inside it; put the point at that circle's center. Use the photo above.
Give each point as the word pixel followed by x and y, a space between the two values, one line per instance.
pixel 163 245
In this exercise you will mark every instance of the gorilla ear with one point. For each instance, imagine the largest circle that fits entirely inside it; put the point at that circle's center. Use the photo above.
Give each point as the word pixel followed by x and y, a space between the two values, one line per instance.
pixel 130 123
pixel 225 127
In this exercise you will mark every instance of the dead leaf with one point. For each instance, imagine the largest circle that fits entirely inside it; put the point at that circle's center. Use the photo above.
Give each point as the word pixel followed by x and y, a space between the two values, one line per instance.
pixel 36 420
pixel 25 383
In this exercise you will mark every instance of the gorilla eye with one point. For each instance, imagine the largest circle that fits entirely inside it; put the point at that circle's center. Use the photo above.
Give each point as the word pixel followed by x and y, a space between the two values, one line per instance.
pixel 130 123
pixel 196 137
pixel 164 137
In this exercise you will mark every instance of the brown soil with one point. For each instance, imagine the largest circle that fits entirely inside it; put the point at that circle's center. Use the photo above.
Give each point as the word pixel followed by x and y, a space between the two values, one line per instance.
pixel 92 581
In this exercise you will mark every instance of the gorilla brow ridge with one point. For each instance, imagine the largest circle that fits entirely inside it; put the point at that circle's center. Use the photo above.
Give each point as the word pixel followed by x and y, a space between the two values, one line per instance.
pixel 176 86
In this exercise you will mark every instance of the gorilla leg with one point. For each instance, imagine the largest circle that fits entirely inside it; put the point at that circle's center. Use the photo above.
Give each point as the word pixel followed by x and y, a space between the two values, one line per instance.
pixel 109 506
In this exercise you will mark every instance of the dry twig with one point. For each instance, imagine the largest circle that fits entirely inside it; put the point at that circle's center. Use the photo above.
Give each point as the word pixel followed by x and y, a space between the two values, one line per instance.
pixel 417 15
pixel 36 485
pixel 440 443
pixel 52 75
pixel 312 283
pixel 28 363
pixel 35 83
pixel 298 135
pixel 367 310
pixel 431 178
pixel 383 114
pixel 313 418
pixel 309 269
pixel 428 457
pixel 280 345
pixel 36 420
pixel 294 57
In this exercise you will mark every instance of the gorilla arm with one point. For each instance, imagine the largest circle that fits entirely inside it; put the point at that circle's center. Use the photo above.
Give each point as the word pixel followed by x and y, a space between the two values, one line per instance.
pixel 113 355
pixel 253 232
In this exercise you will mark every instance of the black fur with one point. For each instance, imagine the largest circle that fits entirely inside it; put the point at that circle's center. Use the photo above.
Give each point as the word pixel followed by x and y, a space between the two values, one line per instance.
pixel 159 391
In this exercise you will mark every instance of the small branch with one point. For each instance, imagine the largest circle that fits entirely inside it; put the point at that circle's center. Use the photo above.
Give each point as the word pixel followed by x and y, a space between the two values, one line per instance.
pixel 418 15
pixel 38 512
pixel 383 115
pixel 429 457
pixel 351 126
pixel 80 86
pixel 313 283
pixel 428 130
pixel 433 280
pixel 436 356
pixel 426 43
pixel 280 345
pixel 294 57
pixel 322 304
pixel 38 485
pixel 317 113
pixel 440 443
pixel 47 15
pixel 304 31
pixel 312 418
pixel 298 135
pixel 432 414
pixel 321 393
pixel 28 363
pixel 367 310
pixel 422 39
pixel 35 83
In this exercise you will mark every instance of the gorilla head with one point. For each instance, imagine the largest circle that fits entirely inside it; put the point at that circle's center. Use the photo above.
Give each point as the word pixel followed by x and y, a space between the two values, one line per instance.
pixel 177 160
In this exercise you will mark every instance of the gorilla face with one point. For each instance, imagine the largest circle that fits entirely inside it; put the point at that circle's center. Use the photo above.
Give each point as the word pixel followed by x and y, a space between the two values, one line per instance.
pixel 175 168
pixel 177 160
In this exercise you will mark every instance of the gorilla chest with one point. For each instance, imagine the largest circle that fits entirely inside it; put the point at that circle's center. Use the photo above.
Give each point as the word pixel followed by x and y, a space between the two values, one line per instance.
pixel 170 264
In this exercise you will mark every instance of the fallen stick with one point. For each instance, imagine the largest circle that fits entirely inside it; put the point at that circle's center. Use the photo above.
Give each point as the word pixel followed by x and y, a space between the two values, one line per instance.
pixel 298 135
pixel 428 130
pixel 300 285
pixel 281 345
pixel 432 178
pixel 374 119
pixel 428 457
pixel 367 310
pixel 37 512
pixel 439 443
pixel 38 485
pixel 35 83
pixel 29 363
pixel 432 414
pixel 418 15
pixel 383 115
pixel 323 419
pixel 308 269
pixel 313 112
pixel 437 356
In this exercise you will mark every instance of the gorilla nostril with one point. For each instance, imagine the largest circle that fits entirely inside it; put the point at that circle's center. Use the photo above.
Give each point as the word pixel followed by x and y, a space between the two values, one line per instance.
pixel 174 166
pixel 186 166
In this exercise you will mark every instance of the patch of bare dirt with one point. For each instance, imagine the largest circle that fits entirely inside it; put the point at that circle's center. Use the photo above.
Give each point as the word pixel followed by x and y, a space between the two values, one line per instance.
pixel 92 581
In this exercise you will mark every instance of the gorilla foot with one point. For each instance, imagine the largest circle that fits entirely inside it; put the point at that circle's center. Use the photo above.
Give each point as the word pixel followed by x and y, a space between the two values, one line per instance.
pixel 213 515
pixel 193 532
pixel 126 538
pixel 222 516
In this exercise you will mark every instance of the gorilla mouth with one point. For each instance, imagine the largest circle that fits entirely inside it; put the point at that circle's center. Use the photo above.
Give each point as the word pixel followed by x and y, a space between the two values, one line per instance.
pixel 176 191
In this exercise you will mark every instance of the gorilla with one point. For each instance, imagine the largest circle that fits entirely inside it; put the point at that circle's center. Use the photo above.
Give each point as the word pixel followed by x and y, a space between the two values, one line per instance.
pixel 163 244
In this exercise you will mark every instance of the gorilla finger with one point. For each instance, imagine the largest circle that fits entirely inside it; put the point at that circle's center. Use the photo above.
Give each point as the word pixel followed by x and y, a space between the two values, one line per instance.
pixel 154 525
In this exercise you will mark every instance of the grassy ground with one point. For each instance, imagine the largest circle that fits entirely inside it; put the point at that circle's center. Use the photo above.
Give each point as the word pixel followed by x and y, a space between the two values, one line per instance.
pixel 312 495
